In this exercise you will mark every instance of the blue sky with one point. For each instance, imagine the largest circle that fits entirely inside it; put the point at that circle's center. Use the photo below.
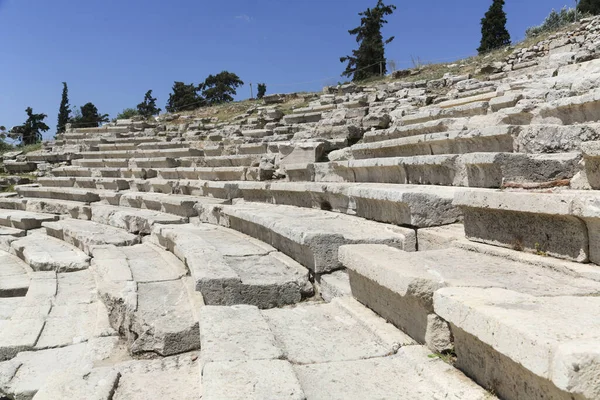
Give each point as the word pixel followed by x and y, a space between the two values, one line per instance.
pixel 110 52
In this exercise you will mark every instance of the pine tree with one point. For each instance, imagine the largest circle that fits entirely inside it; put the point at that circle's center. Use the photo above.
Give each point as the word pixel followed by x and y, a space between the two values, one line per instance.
pixel 493 28
pixel 64 112
pixel 147 108
pixel 221 88
pixel 589 7
pixel 31 131
pixel 184 98
pixel 369 60
pixel 88 117
pixel 262 90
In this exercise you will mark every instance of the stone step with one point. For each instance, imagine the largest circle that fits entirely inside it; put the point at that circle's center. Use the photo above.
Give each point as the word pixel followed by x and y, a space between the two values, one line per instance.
pixel 278 354
pixel 45 253
pixel 526 346
pixel 488 170
pixel 571 110
pixel 19 167
pixel 85 235
pixel 128 163
pixel 156 185
pixel 488 96
pixel 302 118
pixel 72 171
pixel 29 370
pixel 400 286
pixel 409 205
pixel 133 220
pixel 210 174
pixel 24 220
pixel 172 204
pixel 85 183
pixel 563 224
pixel 310 237
pixel 63 193
pixel 135 146
pixel 142 153
pixel 169 378
pixel 396 132
pixel 147 299
pixel 74 209
pixel 244 160
pixel 14 276
pixel 58 310
pixel 491 139
pixel 435 113
pixel 231 268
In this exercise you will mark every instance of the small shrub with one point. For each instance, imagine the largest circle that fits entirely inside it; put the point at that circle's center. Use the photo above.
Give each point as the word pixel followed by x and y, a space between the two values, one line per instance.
pixel 554 21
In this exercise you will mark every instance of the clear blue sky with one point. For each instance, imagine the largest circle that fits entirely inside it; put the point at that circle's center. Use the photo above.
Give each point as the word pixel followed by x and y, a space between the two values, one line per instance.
pixel 110 52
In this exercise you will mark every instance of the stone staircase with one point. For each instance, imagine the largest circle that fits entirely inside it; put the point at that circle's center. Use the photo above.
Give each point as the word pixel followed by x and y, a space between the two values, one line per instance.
pixel 419 240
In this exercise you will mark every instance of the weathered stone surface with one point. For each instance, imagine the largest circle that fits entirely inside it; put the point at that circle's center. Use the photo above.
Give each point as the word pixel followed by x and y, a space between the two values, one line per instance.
pixel 97 384
pixel 23 376
pixel 141 263
pixel 231 268
pixel 170 378
pixel 236 333
pixel 336 284
pixel 534 222
pixel 411 374
pixel 341 335
pixel 539 346
pixel 251 380
pixel 400 286
pixel 492 139
pixel 439 237
pixel 131 219
pixel 86 234
pixel 147 301
pixel 45 253
pixel 171 204
pixel 74 209
pixel 311 237
pixel 24 220
pixel 14 279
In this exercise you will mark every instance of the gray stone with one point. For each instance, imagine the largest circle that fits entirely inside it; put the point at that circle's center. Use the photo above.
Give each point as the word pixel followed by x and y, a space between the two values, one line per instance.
pixel 411 374
pixel 132 220
pixel 311 237
pixel 231 268
pixel 400 286
pixel 171 378
pixel 538 346
pixel 85 235
pixel 251 380
pixel 236 333
pixel 45 253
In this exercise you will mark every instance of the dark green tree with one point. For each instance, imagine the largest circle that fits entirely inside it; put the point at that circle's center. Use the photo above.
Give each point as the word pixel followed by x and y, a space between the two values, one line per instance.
pixel 147 108
pixel 184 98
pixel 88 117
pixel 221 88
pixel 31 131
pixel 262 90
pixel 64 112
pixel 369 59
pixel 493 28
pixel 589 7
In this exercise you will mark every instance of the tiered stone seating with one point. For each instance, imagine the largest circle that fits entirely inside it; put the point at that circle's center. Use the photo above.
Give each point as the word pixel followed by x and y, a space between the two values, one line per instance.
pixel 261 257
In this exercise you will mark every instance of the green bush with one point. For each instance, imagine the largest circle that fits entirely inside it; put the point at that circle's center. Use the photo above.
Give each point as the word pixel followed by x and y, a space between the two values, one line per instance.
pixel 128 113
pixel 553 22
